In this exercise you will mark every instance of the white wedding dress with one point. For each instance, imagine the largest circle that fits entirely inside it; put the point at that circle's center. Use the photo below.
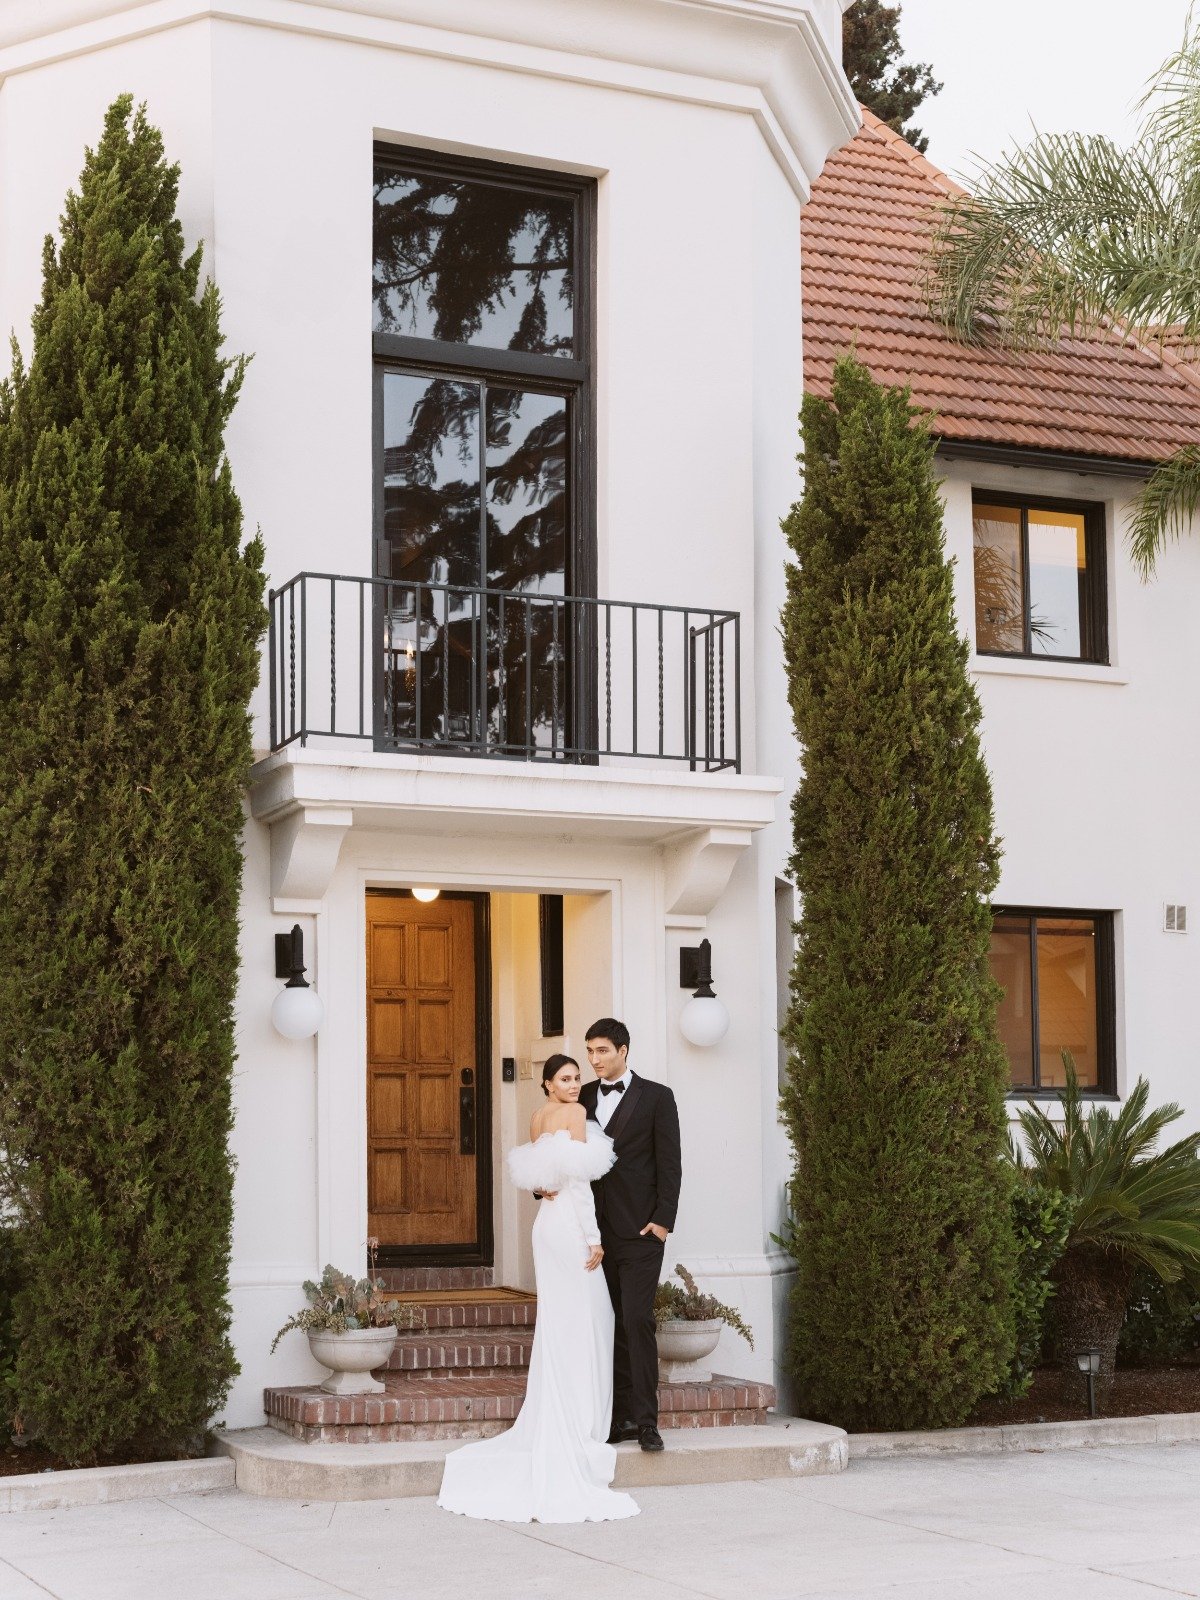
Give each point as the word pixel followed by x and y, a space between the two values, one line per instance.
pixel 553 1464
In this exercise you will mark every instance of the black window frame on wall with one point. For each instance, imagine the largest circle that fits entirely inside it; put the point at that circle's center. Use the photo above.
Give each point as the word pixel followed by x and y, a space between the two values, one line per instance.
pixel 1106 1001
pixel 1093 616
pixel 550 949
pixel 572 377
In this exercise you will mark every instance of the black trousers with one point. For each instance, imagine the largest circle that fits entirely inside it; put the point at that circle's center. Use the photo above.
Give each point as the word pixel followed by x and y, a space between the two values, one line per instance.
pixel 631 1270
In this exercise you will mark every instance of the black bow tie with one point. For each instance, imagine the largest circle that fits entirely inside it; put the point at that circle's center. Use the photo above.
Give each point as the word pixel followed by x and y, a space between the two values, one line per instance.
pixel 612 1088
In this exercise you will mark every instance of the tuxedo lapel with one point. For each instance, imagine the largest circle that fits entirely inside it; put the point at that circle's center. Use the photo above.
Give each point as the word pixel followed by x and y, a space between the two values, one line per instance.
pixel 620 1116
pixel 590 1101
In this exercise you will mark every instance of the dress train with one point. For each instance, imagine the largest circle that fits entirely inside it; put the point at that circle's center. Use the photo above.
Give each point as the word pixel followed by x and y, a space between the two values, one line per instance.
pixel 554 1464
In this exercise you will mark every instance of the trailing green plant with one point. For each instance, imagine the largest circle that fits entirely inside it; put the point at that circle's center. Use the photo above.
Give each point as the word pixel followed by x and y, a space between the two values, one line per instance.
pixel 1041 1223
pixel 340 1303
pixel 894 1097
pixel 1135 1207
pixel 128 653
pixel 673 1304
pixel 1162 1321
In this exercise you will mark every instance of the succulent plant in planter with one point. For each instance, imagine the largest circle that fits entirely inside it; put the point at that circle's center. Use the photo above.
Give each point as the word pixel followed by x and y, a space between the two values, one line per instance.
pixel 689 1326
pixel 352 1325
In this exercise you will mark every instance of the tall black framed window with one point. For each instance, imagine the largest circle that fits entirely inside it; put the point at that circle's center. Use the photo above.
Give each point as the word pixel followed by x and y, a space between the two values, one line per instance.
pixel 1041 588
pixel 482 337
pixel 1056 969
pixel 550 932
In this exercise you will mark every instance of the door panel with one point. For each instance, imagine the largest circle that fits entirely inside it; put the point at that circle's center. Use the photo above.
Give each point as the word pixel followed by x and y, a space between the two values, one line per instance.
pixel 421 1052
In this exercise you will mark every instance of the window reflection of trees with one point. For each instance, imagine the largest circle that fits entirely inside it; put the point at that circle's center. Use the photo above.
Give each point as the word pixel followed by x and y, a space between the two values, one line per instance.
pixel 517 543
pixel 1000 606
pixel 473 263
pixel 477 475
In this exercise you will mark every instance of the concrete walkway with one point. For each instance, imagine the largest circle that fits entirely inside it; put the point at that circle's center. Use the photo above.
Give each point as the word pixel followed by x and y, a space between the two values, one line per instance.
pixel 1113 1523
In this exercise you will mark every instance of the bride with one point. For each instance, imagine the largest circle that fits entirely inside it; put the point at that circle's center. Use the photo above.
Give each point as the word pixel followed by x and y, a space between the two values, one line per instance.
pixel 553 1464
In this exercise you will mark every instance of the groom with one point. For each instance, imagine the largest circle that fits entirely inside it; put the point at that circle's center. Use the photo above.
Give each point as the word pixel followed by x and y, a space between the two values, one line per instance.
pixel 636 1204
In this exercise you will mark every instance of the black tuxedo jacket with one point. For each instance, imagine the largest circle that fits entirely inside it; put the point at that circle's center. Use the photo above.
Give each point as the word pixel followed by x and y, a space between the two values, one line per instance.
pixel 644 1185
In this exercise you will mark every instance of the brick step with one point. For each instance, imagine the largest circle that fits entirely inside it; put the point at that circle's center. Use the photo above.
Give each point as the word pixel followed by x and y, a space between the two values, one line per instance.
pixel 502 1308
pixel 410 1279
pixel 473 1351
pixel 420 1406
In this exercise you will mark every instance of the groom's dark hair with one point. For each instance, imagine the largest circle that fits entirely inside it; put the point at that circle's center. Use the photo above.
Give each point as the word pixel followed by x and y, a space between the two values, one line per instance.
pixel 609 1028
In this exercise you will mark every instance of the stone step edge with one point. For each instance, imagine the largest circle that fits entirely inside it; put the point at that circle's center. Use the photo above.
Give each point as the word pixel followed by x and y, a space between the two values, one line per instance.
pixel 99 1486
pixel 1159 1428
pixel 270 1463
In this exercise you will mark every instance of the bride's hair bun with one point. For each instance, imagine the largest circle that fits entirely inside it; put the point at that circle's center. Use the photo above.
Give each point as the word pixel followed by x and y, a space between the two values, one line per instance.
pixel 552 1066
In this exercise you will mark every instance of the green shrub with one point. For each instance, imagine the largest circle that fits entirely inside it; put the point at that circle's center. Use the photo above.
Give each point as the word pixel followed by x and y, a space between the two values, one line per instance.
pixel 896 1078
pixel 1041 1222
pixel 128 652
pixel 1134 1207
pixel 9 1278
pixel 1162 1321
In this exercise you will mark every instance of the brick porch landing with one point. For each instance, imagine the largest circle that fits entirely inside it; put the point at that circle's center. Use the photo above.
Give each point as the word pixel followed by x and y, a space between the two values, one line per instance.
pixel 464 1376
pixel 475 1406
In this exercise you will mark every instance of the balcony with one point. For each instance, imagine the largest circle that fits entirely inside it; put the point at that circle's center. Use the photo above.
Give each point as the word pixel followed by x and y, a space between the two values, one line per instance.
pixel 441 669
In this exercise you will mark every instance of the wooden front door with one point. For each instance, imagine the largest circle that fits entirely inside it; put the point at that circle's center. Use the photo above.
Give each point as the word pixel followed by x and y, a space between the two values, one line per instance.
pixel 422 1073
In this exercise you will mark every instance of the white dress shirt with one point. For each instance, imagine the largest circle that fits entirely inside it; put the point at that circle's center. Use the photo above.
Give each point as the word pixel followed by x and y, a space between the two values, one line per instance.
pixel 606 1104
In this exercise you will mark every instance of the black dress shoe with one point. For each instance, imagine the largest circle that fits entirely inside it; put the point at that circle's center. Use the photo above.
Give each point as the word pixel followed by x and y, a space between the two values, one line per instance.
pixel 627 1430
pixel 649 1438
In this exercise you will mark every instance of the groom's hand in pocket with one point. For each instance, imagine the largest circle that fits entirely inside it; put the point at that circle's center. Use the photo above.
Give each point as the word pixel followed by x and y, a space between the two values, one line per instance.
pixel 659 1233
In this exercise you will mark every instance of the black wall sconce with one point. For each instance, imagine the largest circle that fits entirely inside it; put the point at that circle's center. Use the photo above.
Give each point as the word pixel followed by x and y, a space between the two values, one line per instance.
pixel 704 1020
pixel 297 1011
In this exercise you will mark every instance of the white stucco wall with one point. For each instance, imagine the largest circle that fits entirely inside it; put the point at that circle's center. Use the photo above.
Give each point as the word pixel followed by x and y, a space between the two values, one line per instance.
pixel 702 125
pixel 703 128
pixel 1095 773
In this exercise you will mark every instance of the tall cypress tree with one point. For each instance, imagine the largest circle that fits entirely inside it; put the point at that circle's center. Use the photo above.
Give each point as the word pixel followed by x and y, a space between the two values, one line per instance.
pixel 128 652
pixel 879 75
pixel 894 1096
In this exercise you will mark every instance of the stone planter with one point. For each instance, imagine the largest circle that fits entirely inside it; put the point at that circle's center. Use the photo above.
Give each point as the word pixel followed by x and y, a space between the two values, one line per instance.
pixel 683 1347
pixel 353 1355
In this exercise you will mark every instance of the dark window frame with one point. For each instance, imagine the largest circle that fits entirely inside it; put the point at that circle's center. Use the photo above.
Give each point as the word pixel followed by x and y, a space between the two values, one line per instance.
pixel 550 950
pixel 1093 618
pixel 1106 997
pixel 572 377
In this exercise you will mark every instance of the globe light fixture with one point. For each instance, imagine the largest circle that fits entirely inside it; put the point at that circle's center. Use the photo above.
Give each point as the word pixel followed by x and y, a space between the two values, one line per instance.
pixel 297 1011
pixel 704 1020
pixel 426 895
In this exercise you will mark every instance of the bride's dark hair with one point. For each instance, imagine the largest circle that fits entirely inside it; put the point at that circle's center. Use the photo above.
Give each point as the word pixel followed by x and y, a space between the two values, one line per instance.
pixel 551 1068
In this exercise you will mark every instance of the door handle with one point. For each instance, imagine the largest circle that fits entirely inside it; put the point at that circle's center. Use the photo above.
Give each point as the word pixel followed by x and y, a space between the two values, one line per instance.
pixel 466 1113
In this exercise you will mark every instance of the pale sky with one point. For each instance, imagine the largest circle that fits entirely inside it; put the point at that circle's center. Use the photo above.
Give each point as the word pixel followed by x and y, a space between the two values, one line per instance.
pixel 1077 65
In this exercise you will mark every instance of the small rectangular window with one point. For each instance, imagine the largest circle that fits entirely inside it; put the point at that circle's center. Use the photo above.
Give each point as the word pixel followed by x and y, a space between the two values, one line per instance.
pixel 550 928
pixel 1056 972
pixel 1040 586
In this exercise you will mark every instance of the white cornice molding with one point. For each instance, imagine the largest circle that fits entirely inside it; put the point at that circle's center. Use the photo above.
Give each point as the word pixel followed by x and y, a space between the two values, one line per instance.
pixel 773 61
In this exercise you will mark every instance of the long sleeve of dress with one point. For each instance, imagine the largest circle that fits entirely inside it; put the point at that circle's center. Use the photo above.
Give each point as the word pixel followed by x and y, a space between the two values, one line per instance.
pixel 580 1195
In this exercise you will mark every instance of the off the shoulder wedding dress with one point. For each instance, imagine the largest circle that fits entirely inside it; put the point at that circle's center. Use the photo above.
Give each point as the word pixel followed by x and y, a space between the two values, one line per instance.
pixel 553 1464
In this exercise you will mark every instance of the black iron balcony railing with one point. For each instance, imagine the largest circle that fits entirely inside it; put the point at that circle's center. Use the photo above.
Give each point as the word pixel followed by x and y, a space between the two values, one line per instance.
pixel 483 672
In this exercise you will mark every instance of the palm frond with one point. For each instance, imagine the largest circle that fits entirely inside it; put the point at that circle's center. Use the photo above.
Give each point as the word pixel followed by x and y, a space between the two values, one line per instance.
pixel 1068 232
pixel 1131 1198
pixel 1164 507
pixel 1170 106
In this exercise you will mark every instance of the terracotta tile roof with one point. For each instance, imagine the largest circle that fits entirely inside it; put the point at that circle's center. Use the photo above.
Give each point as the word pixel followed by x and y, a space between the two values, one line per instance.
pixel 865 232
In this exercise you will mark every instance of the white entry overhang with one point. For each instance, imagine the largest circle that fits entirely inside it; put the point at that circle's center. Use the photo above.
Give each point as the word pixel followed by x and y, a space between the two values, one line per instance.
pixel 311 798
